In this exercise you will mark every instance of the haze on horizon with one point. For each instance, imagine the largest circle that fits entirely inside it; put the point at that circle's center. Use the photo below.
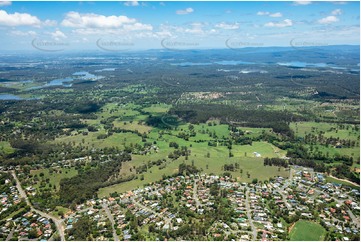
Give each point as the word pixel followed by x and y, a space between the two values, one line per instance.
pixel 176 25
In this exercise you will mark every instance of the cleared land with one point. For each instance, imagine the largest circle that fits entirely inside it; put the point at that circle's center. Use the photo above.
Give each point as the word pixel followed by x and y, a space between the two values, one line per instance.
pixel 307 231
pixel 54 177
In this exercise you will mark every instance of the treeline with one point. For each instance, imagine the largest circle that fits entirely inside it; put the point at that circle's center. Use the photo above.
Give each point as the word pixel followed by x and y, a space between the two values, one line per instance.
pixel 334 141
pixel 201 113
pixel 183 151
pixel 187 169
pixel 275 162
pixel 317 166
pixel 48 118
pixel 341 171
pixel 84 186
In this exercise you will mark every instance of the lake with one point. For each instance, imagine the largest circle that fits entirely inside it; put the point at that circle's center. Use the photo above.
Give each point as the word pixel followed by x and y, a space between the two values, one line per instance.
pixel 66 82
pixel 10 97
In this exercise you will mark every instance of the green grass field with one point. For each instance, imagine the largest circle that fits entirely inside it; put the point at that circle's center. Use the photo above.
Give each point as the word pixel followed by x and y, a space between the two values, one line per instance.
pixel 307 231
pixel 6 148
pixel 301 128
pixel 209 165
pixel 55 177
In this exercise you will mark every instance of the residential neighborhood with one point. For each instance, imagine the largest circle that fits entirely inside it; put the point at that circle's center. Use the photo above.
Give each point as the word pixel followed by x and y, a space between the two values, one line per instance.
pixel 194 207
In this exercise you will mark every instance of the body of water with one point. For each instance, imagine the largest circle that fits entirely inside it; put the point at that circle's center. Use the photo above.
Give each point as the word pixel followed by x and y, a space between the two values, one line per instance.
pixel 10 97
pixel 301 64
pixel 233 63
pixel 224 62
pixel 191 64
pixel 66 82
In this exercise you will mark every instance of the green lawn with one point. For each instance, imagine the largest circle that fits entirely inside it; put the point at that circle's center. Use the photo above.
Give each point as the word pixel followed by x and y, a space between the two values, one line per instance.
pixel 307 231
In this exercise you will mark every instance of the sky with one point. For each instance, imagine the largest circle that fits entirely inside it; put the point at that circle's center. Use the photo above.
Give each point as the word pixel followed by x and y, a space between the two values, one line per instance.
pixel 141 25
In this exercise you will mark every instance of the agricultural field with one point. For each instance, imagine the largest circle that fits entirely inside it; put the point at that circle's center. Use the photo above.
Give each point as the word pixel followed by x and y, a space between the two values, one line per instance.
pixel 307 231
pixel 347 131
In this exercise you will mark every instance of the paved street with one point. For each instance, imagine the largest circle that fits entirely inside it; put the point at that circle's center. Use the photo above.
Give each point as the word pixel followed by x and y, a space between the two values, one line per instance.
pixel 111 218
pixel 254 230
pixel 58 222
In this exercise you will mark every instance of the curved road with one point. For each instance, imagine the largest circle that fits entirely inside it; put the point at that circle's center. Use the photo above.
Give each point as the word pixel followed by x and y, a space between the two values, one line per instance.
pixel 58 222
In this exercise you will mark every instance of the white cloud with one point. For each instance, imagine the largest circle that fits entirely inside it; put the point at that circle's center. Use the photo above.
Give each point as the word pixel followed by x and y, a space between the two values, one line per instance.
pixel 276 15
pixel 263 13
pixel 5 3
pixel 339 2
pixel 22 33
pixel 49 22
pixel 185 11
pixel 131 4
pixel 138 27
pixel 58 35
pixel 296 3
pixel 328 20
pixel 226 26
pixel 280 24
pixel 273 15
pixel 336 12
pixel 18 19
pixel 91 20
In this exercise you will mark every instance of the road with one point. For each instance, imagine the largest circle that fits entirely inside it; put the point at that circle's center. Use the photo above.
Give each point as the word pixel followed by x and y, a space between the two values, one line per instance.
pixel 167 220
pixel 111 218
pixel 195 194
pixel 58 222
pixel 10 234
pixel 354 219
pixel 254 230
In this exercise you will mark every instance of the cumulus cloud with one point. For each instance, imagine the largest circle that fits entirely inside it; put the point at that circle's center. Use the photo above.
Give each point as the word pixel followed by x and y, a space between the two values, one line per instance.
pixel 280 24
pixel 276 15
pixel 273 15
pixel 227 26
pixel 336 12
pixel 185 11
pixel 138 27
pixel 49 22
pixel 5 3
pixel 131 3
pixel 296 3
pixel 93 24
pixel 328 20
pixel 91 20
pixel 18 19
pixel 58 35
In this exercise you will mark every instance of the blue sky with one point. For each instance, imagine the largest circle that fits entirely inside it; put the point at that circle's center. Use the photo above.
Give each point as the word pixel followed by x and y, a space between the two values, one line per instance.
pixel 176 25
